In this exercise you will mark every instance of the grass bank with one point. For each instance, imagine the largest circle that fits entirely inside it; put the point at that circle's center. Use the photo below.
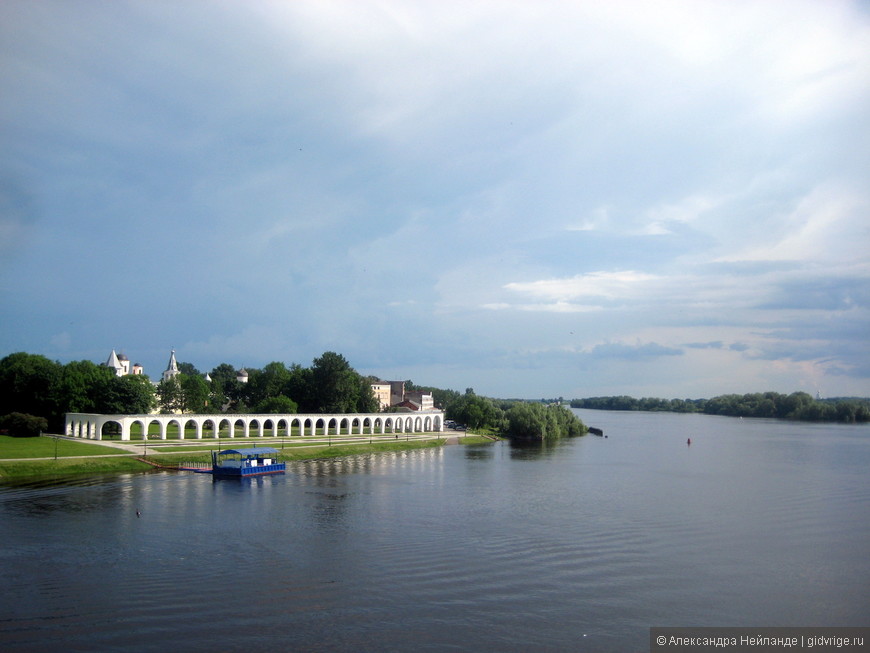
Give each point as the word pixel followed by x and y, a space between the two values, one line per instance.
pixel 313 453
pixel 48 447
pixel 30 455
pixel 70 467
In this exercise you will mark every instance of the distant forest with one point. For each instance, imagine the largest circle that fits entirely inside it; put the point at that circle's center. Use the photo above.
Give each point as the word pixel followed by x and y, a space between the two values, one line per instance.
pixel 797 406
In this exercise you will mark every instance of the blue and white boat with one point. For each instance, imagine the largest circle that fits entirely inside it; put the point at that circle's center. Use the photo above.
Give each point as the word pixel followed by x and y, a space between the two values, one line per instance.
pixel 242 463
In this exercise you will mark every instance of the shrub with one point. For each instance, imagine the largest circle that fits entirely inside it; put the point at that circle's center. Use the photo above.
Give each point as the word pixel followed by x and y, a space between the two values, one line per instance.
pixel 21 425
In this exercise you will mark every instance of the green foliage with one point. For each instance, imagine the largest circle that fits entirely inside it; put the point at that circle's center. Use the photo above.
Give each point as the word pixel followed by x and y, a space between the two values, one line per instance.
pixel 797 405
pixel 169 395
pixel 21 425
pixel 331 385
pixel 127 395
pixel 34 385
pixel 194 393
pixel 279 405
pixel 30 384
pixel 535 421
pixel 475 411
pixel 442 398
pixel 336 383
pixel 188 368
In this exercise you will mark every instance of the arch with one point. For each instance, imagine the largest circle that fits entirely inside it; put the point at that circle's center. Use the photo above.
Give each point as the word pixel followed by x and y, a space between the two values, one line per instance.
pixel 149 423
pixel 96 426
pixel 197 428
pixel 114 428
pixel 138 429
pixel 211 424
pixel 178 424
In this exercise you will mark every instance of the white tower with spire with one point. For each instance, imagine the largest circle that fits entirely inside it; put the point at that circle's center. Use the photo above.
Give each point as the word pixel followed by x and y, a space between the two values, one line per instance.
pixel 115 363
pixel 172 368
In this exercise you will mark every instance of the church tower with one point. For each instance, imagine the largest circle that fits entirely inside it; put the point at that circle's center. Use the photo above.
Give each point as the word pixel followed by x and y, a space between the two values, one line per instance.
pixel 172 368
pixel 114 363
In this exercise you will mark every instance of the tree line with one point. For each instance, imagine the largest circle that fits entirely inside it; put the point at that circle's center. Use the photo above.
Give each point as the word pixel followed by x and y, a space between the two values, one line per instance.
pixel 35 394
pixel 330 385
pixel 796 406
pixel 34 388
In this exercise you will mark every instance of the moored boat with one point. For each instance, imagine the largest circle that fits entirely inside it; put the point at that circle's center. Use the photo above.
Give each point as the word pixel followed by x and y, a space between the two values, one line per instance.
pixel 242 463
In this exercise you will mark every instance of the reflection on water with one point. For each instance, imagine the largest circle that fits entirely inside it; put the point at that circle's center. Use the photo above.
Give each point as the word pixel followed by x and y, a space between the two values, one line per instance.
pixel 577 545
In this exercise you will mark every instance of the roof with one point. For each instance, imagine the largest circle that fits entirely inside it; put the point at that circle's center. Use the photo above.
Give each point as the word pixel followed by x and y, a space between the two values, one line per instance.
pixel 113 361
pixel 253 451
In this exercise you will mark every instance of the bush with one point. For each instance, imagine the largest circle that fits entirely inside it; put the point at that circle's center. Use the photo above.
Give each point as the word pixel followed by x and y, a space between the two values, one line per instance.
pixel 533 421
pixel 21 425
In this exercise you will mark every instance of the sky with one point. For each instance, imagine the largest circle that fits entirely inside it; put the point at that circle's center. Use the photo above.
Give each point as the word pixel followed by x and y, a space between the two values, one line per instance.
pixel 531 199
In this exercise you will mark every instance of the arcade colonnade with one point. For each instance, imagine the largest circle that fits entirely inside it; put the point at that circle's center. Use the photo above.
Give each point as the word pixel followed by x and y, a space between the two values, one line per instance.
pixel 91 425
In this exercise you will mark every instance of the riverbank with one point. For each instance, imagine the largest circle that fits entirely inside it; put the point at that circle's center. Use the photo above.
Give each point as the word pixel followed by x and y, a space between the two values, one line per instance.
pixel 22 458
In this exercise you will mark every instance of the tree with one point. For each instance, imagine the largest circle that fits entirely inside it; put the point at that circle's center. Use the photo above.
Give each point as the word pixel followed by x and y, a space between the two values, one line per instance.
pixel 475 411
pixel 271 381
pixel 126 395
pixel 169 395
pixel 194 393
pixel 279 405
pixel 538 422
pixel 225 389
pixel 189 369
pixel 83 387
pixel 335 383
pixel 300 388
pixel 29 384
pixel 20 425
pixel 366 400
pixel 223 374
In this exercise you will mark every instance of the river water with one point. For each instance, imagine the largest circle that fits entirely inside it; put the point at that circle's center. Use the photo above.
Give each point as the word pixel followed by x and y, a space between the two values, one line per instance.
pixel 578 546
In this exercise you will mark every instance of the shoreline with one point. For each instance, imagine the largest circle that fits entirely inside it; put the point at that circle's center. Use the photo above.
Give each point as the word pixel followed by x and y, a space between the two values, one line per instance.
pixel 130 459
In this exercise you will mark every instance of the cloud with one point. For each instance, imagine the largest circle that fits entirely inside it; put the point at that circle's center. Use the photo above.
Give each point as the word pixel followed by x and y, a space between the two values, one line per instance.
pixel 632 352
pixel 827 225
pixel 481 188
pixel 600 284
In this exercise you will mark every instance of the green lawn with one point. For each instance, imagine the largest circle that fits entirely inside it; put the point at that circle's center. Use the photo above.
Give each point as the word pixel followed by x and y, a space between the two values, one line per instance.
pixel 313 452
pixel 47 447
pixel 44 447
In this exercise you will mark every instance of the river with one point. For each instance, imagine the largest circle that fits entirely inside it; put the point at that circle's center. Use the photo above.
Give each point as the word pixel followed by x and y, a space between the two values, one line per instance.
pixel 578 546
